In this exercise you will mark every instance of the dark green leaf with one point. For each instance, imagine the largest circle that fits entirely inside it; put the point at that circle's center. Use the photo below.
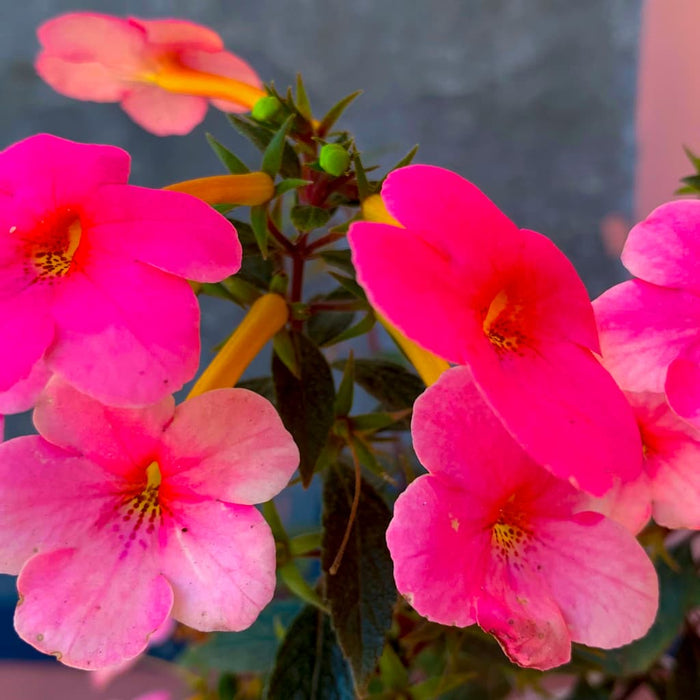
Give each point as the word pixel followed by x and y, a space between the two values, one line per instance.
pixel 310 664
pixel 297 584
pixel 361 595
pixel 243 292
pixel 692 158
pixel 228 687
pixel 344 397
pixel 350 284
pixel 406 160
pixel 272 157
pixel 258 220
pixel 679 591
pixel 250 651
pixel 307 218
pixel 325 326
pixel 260 385
pixel 305 402
pixel 391 384
pixel 584 691
pixel 292 183
pixel 363 187
pixel 364 325
pixel 230 161
pixel 335 112
pixel 302 100
pixel 376 421
pixel 342 259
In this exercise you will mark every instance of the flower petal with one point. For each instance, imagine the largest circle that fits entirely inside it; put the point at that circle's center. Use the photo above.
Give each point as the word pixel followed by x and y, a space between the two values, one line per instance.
pixel 178 33
pixel 137 325
pixel 440 549
pixel 643 328
pixel 121 440
pixel 49 498
pixel 164 113
pixel 89 607
pixel 169 230
pixel 220 561
pixel 683 384
pixel 81 81
pixel 603 606
pixel 229 444
pixel 23 395
pixel 664 249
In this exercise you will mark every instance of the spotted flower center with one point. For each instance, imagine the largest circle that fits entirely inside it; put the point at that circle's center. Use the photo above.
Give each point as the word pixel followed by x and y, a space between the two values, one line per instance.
pixel 141 511
pixel 503 324
pixel 53 245
pixel 509 533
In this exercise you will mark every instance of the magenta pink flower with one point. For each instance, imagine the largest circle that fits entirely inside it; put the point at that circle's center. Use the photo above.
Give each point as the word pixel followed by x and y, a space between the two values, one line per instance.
pixel 489 537
pixel 93 281
pixel 651 326
pixel 461 280
pixel 116 518
pixel 162 72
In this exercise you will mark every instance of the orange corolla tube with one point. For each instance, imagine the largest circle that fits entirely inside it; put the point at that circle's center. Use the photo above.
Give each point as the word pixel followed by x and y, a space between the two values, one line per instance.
pixel 264 319
pixel 246 188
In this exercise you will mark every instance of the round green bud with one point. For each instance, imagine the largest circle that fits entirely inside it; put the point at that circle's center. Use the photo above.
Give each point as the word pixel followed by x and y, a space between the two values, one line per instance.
pixel 334 159
pixel 266 109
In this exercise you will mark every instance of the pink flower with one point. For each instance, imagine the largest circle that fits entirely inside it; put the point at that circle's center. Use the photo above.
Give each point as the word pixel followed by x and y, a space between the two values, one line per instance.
pixel 669 487
pixel 461 280
pixel 162 72
pixel 651 326
pixel 489 537
pixel 93 281
pixel 116 518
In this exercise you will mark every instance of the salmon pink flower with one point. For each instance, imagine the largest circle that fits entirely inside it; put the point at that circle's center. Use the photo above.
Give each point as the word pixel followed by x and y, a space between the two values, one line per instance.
pixel 161 71
pixel 460 279
pixel 94 274
pixel 489 537
pixel 651 326
pixel 116 518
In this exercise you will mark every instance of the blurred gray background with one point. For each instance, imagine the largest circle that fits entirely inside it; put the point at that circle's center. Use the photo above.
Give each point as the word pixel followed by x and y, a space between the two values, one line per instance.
pixel 533 100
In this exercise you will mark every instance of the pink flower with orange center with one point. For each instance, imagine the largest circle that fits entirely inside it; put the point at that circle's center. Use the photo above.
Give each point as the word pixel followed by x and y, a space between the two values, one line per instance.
pixel 117 518
pixel 94 275
pixel 163 72
pixel 491 538
pixel 460 279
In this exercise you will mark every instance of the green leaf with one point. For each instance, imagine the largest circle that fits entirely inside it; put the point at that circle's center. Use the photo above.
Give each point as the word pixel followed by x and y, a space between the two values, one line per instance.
pixel 272 157
pixel 285 350
pixel 325 326
pixel 305 402
pixel 345 395
pixel 364 325
pixel 230 161
pixel 260 385
pixel 310 664
pixel 297 584
pixel 307 218
pixel 239 289
pixel 302 100
pixel 361 595
pixel 228 687
pixel 373 422
pixel 250 651
pixel 679 591
pixel 335 112
pixel 406 160
pixel 304 543
pixel 391 384
pixel 342 259
pixel 364 189
pixel 258 220
pixel 291 183
pixel 350 284
pixel 692 158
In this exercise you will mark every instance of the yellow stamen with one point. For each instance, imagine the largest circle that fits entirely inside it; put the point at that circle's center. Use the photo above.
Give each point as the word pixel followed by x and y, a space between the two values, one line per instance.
pixel 428 366
pixel 247 188
pixel 266 316
pixel 185 81
pixel 153 476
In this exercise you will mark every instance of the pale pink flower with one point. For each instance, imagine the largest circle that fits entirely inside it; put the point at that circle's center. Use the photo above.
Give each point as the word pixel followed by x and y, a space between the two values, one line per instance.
pixel 161 71
pixel 94 274
pixel 117 518
pixel 650 327
pixel 460 279
pixel 489 537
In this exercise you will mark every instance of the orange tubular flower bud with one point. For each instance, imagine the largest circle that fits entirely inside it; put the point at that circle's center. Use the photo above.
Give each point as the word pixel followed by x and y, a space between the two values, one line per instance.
pixel 428 366
pixel 266 316
pixel 246 188
pixel 186 81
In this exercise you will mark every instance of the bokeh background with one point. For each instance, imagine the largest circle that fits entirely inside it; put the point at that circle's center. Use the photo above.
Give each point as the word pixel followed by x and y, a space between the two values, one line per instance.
pixel 533 100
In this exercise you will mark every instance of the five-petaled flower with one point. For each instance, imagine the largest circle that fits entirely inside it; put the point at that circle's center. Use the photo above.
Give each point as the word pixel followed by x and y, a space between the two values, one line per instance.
pixel 115 518
pixel 94 274
pixel 161 71
pixel 460 279
pixel 489 537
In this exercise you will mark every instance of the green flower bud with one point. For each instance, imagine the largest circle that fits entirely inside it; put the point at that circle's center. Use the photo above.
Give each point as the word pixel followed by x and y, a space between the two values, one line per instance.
pixel 266 109
pixel 334 159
